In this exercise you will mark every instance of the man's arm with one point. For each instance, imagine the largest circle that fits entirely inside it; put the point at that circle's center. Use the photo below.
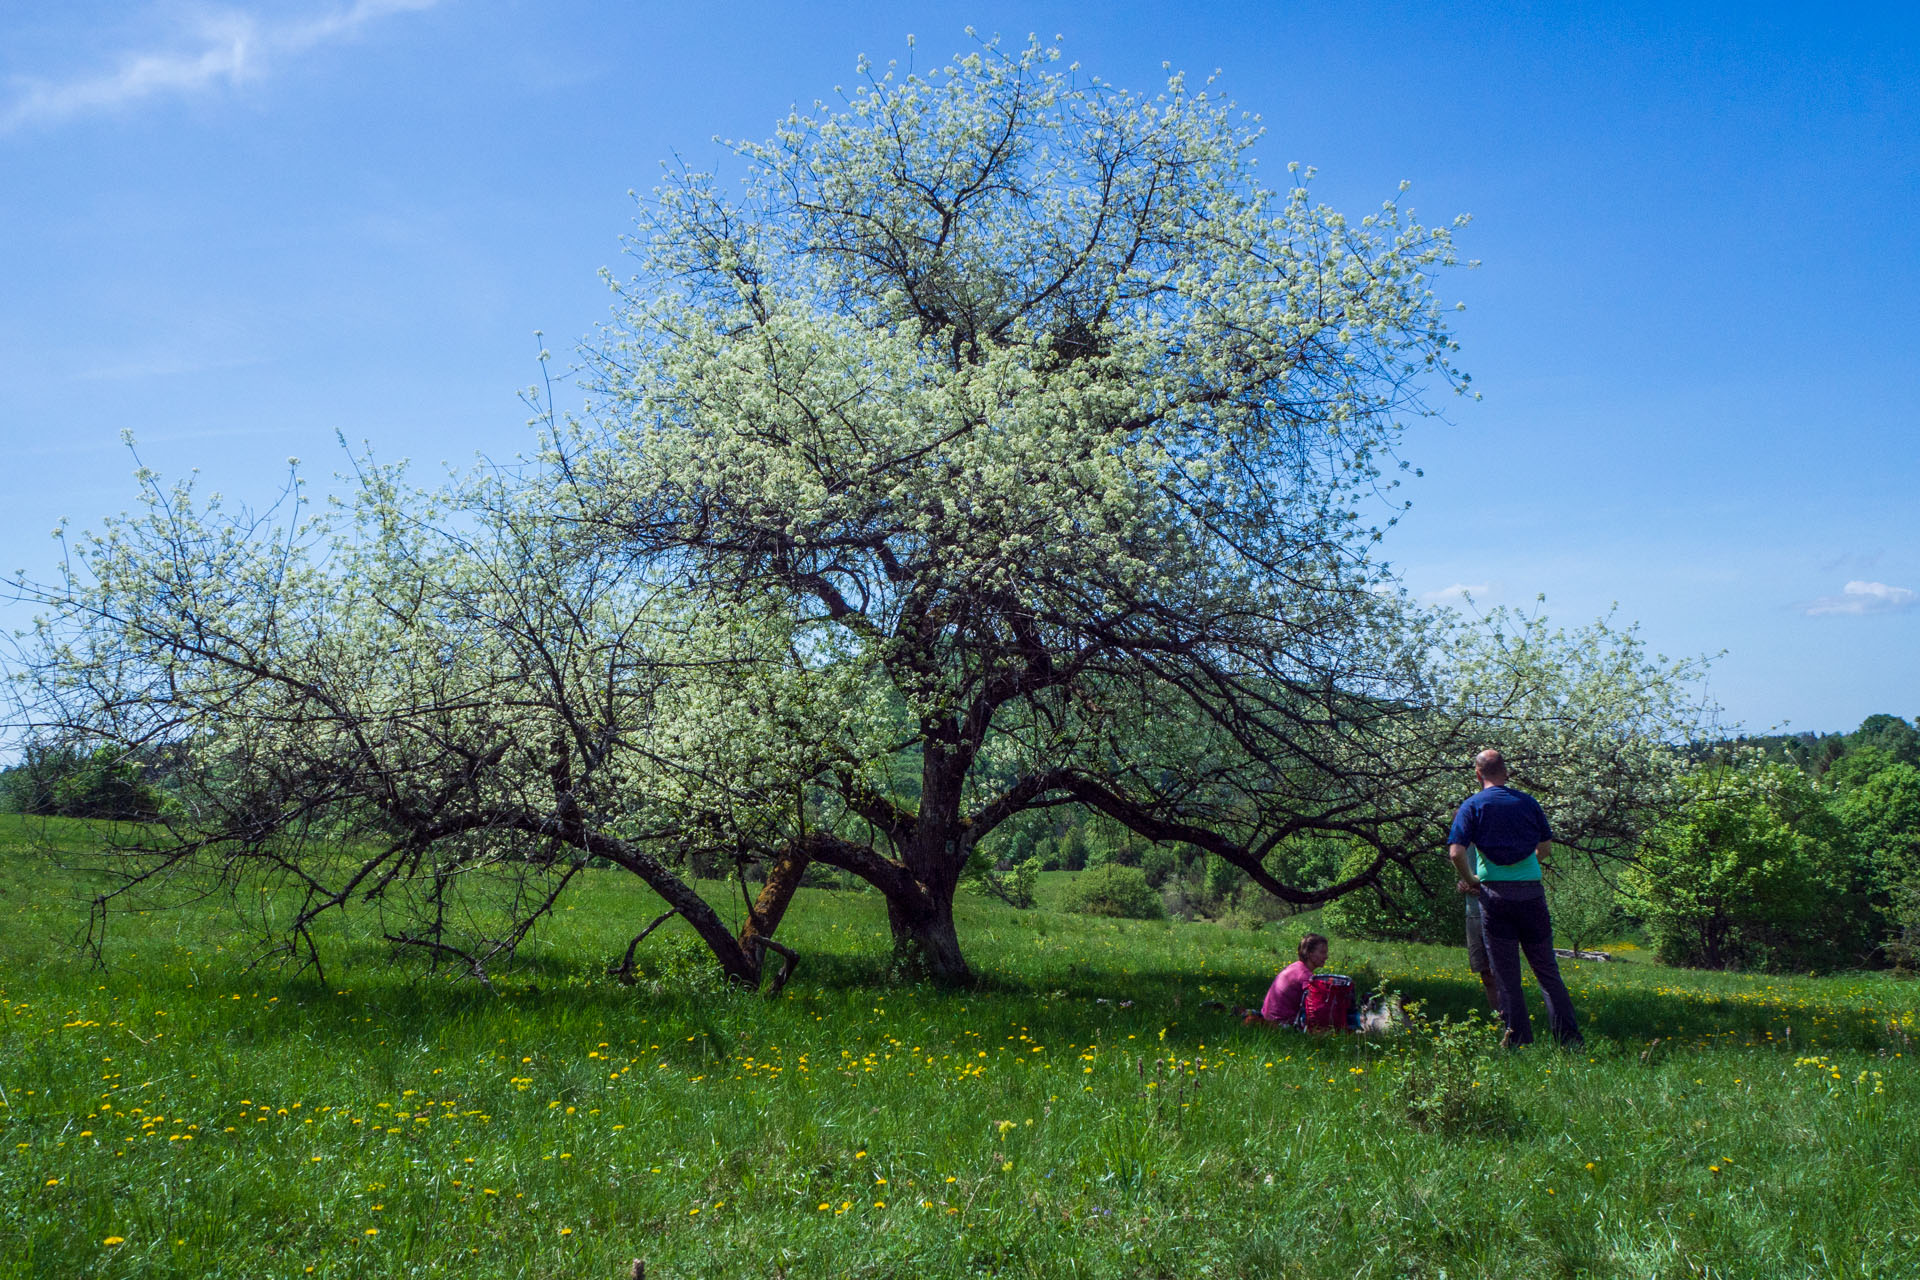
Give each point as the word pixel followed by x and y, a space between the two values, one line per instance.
pixel 1545 846
pixel 1470 881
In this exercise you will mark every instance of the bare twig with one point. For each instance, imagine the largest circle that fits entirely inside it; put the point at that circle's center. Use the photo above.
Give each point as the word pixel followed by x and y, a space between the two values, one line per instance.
pixel 624 970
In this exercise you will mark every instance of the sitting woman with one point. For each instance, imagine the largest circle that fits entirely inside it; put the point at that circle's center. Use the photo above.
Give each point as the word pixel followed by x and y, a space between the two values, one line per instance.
pixel 1286 998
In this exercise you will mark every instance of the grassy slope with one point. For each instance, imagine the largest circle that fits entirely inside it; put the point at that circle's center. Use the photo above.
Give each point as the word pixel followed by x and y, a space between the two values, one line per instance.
pixel 234 1123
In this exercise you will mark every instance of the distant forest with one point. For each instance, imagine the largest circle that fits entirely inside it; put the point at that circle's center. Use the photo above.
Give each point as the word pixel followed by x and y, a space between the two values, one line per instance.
pixel 1815 754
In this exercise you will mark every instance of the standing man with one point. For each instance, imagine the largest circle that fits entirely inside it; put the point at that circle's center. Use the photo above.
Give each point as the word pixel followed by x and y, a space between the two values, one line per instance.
pixel 1508 834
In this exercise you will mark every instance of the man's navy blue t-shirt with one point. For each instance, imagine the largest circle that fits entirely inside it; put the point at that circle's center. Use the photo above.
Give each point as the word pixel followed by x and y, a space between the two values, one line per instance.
pixel 1504 824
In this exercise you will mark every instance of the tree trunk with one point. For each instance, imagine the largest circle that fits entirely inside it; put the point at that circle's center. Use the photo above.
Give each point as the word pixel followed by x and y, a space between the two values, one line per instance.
pixel 920 903
pixel 756 935
pixel 925 942
pixel 924 938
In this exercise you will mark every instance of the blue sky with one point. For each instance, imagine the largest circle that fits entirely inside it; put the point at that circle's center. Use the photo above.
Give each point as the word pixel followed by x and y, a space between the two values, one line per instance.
pixel 237 228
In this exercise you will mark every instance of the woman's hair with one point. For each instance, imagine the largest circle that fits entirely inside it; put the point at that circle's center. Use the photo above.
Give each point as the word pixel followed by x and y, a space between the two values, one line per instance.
pixel 1309 943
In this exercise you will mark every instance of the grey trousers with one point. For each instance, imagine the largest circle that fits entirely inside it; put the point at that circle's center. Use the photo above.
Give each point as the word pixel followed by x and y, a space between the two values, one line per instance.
pixel 1513 928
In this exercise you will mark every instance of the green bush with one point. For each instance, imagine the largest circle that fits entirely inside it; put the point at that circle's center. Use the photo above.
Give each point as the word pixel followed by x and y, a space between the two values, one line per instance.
pixel 1072 849
pixel 1251 907
pixel 66 783
pixel 1119 854
pixel 1012 884
pixel 1584 902
pixel 1159 863
pixel 1222 878
pixel 1756 874
pixel 1399 910
pixel 1880 812
pixel 1448 1085
pixel 1881 815
pixel 1114 890
pixel 1903 943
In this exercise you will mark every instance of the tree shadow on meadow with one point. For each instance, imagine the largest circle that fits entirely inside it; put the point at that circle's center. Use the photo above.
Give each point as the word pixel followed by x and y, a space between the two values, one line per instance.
pixel 1183 1001
pixel 1635 1017
pixel 1151 1012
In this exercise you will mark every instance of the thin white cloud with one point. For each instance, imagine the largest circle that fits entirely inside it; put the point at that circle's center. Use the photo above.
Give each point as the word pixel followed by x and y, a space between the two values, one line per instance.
pixel 221 48
pixel 1865 597
pixel 162 365
pixel 1458 591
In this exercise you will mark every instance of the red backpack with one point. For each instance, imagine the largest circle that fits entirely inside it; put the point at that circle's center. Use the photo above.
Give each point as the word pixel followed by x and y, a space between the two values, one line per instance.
pixel 1325 1002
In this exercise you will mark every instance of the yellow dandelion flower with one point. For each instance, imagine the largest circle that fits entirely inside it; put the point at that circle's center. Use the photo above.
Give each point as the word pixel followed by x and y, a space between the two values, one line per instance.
pixel 114 1240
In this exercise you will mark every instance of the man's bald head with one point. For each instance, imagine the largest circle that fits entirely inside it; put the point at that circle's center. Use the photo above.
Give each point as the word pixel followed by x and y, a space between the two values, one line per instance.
pixel 1490 765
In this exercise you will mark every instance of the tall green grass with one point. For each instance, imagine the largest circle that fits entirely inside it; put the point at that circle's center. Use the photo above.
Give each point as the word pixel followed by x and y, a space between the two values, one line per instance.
pixel 1082 1112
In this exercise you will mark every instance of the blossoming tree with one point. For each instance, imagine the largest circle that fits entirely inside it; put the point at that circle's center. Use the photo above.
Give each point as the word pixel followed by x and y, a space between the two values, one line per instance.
pixel 1037 409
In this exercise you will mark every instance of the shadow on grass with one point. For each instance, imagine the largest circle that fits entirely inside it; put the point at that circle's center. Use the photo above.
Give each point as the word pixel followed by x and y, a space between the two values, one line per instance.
pixel 1154 1012
pixel 1086 985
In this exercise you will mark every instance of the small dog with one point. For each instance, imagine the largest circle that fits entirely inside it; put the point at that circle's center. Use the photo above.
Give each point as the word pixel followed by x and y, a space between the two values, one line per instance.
pixel 1383 1017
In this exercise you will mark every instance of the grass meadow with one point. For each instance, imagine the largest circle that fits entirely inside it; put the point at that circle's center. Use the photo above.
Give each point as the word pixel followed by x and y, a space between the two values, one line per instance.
pixel 1080 1113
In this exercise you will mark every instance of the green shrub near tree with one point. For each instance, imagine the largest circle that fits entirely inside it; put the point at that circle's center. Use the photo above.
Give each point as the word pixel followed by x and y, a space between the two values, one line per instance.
pixel 63 782
pixel 1013 884
pixel 1121 853
pixel 1758 874
pixel 1400 910
pixel 1584 901
pixel 1115 890
pixel 1160 863
pixel 1880 812
pixel 1222 879
pixel 1903 941
pixel 1072 848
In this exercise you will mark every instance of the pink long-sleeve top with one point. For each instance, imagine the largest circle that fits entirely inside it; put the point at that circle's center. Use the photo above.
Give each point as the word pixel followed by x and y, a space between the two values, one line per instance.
pixel 1283 997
